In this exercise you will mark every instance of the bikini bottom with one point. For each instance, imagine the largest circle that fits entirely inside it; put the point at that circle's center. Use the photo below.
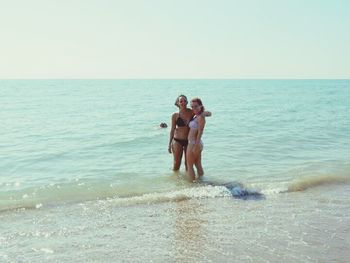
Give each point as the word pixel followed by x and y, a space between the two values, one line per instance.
pixel 182 142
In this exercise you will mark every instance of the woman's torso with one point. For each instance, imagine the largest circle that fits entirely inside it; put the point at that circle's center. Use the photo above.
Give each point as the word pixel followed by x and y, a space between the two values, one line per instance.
pixel 182 120
pixel 193 125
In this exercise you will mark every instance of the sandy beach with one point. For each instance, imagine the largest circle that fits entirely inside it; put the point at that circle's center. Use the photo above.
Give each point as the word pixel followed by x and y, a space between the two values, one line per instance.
pixel 282 227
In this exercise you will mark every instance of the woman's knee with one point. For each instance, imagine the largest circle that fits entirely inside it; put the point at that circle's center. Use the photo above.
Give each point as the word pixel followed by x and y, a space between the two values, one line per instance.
pixel 189 159
pixel 177 163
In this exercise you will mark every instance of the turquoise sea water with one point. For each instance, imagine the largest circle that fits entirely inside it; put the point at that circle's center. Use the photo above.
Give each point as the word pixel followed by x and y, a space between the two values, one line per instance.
pixel 67 142
pixel 88 139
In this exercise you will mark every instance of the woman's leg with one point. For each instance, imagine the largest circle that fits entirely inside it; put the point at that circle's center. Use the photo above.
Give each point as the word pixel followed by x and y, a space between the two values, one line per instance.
pixel 198 164
pixel 177 153
pixel 190 162
pixel 184 151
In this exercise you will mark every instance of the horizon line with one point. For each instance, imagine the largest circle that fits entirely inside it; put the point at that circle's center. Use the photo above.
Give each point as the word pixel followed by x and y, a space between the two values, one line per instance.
pixel 175 78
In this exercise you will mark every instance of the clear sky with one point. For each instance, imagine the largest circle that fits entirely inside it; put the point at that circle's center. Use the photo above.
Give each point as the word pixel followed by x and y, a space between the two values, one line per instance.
pixel 175 39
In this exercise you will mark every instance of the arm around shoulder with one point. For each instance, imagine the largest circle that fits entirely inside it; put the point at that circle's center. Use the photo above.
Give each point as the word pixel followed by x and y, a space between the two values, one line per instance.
pixel 207 113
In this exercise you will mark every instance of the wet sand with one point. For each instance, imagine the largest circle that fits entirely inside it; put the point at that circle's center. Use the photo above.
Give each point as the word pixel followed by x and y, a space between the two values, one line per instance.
pixel 308 226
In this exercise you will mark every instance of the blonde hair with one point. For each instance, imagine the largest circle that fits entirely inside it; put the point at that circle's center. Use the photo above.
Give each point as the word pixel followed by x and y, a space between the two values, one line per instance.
pixel 199 101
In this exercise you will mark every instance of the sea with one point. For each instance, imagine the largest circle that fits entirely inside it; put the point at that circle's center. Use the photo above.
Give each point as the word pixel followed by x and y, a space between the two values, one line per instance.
pixel 85 175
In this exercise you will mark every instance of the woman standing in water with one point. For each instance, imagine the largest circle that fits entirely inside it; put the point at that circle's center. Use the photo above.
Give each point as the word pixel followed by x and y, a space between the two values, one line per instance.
pixel 178 140
pixel 195 144
pixel 179 131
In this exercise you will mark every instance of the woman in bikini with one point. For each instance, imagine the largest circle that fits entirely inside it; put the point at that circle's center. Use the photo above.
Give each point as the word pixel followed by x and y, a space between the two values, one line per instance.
pixel 195 144
pixel 178 140
pixel 179 131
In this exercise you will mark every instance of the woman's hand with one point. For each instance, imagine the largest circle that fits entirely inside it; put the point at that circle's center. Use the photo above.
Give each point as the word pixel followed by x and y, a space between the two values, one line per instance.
pixel 169 148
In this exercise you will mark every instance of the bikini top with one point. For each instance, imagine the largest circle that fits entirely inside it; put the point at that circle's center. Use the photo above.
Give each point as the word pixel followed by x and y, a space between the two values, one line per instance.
pixel 180 122
pixel 193 123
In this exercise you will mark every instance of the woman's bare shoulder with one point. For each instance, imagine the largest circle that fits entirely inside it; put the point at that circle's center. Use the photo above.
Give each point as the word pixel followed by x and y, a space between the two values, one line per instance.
pixel 201 117
pixel 174 115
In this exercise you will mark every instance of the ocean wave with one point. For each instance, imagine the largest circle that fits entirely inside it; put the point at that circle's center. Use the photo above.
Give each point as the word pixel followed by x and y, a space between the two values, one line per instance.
pixel 174 196
pixel 303 184
pixel 202 191
pixel 78 191
pixel 73 193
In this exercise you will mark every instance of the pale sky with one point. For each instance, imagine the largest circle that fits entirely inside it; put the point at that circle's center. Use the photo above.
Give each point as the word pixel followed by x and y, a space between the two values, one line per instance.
pixel 175 39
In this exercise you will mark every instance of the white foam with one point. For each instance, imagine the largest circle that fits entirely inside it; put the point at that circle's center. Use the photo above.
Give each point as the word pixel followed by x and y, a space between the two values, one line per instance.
pixel 183 194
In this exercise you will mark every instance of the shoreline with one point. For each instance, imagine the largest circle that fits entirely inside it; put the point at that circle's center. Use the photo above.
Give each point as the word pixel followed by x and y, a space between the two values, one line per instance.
pixel 300 226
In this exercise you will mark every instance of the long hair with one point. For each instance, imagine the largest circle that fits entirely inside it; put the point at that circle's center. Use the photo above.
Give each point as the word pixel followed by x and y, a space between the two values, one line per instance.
pixel 199 101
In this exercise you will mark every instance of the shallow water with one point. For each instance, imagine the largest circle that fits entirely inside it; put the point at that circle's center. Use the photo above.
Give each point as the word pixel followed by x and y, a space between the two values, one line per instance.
pixel 311 226
pixel 85 173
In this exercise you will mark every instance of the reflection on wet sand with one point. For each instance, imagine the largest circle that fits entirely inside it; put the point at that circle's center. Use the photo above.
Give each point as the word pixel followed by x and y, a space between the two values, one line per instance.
pixel 189 235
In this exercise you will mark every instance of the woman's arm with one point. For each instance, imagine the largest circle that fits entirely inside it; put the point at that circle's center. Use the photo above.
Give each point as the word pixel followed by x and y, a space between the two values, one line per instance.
pixel 207 113
pixel 201 124
pixel 172 131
